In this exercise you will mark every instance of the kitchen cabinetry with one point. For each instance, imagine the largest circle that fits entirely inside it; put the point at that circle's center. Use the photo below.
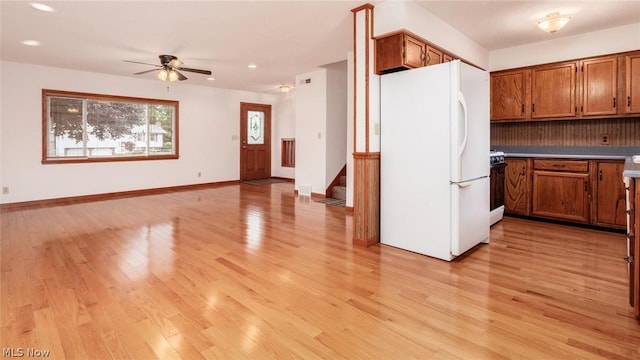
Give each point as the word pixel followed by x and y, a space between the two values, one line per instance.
pixel 561 189
pixel 599 86
pixel 399 51
pixel 632 84
pixel 434 56
pixel 510 95
pixel 402 50
pixel 609 204
pixel 553 91
pixel 633 255
pixel 517 192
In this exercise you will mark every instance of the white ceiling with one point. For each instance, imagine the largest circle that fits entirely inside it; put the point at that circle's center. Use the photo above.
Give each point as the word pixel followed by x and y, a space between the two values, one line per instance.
pixel 283 38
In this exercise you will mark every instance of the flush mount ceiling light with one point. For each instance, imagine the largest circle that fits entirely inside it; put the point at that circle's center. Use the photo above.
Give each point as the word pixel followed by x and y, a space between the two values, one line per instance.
pixel 284 88
pixel 31 42
pixel 553 22
pixel 42 7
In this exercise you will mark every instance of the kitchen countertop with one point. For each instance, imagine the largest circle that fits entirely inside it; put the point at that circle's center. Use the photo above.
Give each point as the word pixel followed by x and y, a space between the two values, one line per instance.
pixel 572 152
pixel 631 168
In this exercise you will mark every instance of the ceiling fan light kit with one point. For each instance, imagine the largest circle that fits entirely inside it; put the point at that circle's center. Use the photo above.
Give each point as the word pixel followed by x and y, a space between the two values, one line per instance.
pixel 168 75
pixel 169 66
pixel 553 22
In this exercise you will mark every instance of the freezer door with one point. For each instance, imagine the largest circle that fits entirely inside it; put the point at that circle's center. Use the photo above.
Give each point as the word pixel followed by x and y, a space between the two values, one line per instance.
pixel 469 122
pixel 469 215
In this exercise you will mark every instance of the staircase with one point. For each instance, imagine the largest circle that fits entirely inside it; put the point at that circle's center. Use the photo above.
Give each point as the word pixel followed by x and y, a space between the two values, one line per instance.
pixel 340 191
pixel 336 193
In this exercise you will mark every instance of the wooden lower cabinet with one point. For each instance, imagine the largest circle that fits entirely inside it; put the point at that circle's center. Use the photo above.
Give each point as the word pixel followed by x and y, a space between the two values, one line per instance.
pixel 517 189
pixel 575 190
pixel 634 248
pixel 561 195
pixel 609 204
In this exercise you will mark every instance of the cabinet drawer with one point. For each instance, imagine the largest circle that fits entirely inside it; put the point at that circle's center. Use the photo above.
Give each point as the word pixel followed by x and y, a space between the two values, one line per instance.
pixel 561 165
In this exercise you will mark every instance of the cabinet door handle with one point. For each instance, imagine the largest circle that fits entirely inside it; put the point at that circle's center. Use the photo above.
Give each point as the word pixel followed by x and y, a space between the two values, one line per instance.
pixel 533 108
pixel 522 108
pixel 600 175
pixel 614 102
pixel 628 101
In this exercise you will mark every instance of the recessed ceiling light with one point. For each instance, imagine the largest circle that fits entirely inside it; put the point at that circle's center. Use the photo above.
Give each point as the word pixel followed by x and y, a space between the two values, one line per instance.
pixel 31 42
pixel 252 66
pixel 211 78
pixel 42 7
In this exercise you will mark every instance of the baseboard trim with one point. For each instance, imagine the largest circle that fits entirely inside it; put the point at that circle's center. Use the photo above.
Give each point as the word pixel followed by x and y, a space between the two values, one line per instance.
pixel 283 178
pixel 365 242
pixel 313 195
pixel 107 196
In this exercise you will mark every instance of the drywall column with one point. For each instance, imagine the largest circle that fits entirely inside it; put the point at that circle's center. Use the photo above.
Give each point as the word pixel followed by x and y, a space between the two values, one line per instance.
pixel 366 137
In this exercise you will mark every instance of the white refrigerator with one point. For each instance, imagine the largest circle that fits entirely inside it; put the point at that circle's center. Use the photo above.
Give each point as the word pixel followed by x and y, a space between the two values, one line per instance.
pixel 434 159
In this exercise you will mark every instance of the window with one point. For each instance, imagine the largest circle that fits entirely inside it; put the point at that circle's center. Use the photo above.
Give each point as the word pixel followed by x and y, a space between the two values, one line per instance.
pixel 79 127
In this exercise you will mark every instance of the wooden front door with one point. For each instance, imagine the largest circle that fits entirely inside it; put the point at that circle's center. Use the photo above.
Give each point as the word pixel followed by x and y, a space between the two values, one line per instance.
pixel 255 141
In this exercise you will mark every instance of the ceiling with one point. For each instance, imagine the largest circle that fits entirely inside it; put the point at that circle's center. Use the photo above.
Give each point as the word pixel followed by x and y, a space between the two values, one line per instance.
pixel 282 38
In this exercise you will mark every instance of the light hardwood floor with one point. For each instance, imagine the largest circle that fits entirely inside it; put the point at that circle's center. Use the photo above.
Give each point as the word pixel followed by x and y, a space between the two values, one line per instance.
pixel 244 271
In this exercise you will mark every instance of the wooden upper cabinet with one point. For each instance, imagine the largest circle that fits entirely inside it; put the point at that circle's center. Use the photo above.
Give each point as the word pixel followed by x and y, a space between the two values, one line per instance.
pixel 599 86
pixel 632 84
pixel 553 91
pixel 399 51
pixel 403 50
pixel 434 56
pixel 414 52
pixel 509 95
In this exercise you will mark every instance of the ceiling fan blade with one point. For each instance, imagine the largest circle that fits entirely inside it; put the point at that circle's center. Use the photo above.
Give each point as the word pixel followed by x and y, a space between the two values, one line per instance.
pixel 205 72
pixel 144 72
pixel 180 76
pixel 137 62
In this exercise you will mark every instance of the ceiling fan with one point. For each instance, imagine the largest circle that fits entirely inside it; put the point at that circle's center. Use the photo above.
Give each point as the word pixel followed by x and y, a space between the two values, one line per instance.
pixel 169 66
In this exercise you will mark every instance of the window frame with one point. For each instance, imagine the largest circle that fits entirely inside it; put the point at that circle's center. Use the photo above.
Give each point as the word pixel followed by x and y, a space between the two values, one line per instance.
pixel 46 93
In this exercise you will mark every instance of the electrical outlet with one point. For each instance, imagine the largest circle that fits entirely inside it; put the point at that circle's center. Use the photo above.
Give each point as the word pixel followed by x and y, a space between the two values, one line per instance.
pixel 5 190
pixel 605 139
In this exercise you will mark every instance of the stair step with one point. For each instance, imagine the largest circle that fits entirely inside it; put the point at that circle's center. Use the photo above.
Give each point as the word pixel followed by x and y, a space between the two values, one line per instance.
pixel 343 180
pixel 339 192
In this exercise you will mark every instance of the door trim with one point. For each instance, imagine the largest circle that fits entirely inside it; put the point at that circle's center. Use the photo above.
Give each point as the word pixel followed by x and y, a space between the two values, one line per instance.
pixel 266 108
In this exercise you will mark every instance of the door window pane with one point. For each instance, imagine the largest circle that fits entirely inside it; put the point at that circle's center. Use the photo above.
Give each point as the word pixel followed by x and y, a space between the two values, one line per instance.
pixel 255 127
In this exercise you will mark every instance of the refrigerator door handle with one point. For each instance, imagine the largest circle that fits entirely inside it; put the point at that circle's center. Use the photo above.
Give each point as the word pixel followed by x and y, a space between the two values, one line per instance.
pixel 463 146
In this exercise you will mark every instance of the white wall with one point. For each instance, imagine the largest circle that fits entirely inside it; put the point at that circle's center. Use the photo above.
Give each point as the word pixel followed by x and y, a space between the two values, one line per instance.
pixel 310 127
pixel 283 109
pixel 209 118
pixel 350 129
pixel 608 41
pixel 394 15
pixel 336 129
